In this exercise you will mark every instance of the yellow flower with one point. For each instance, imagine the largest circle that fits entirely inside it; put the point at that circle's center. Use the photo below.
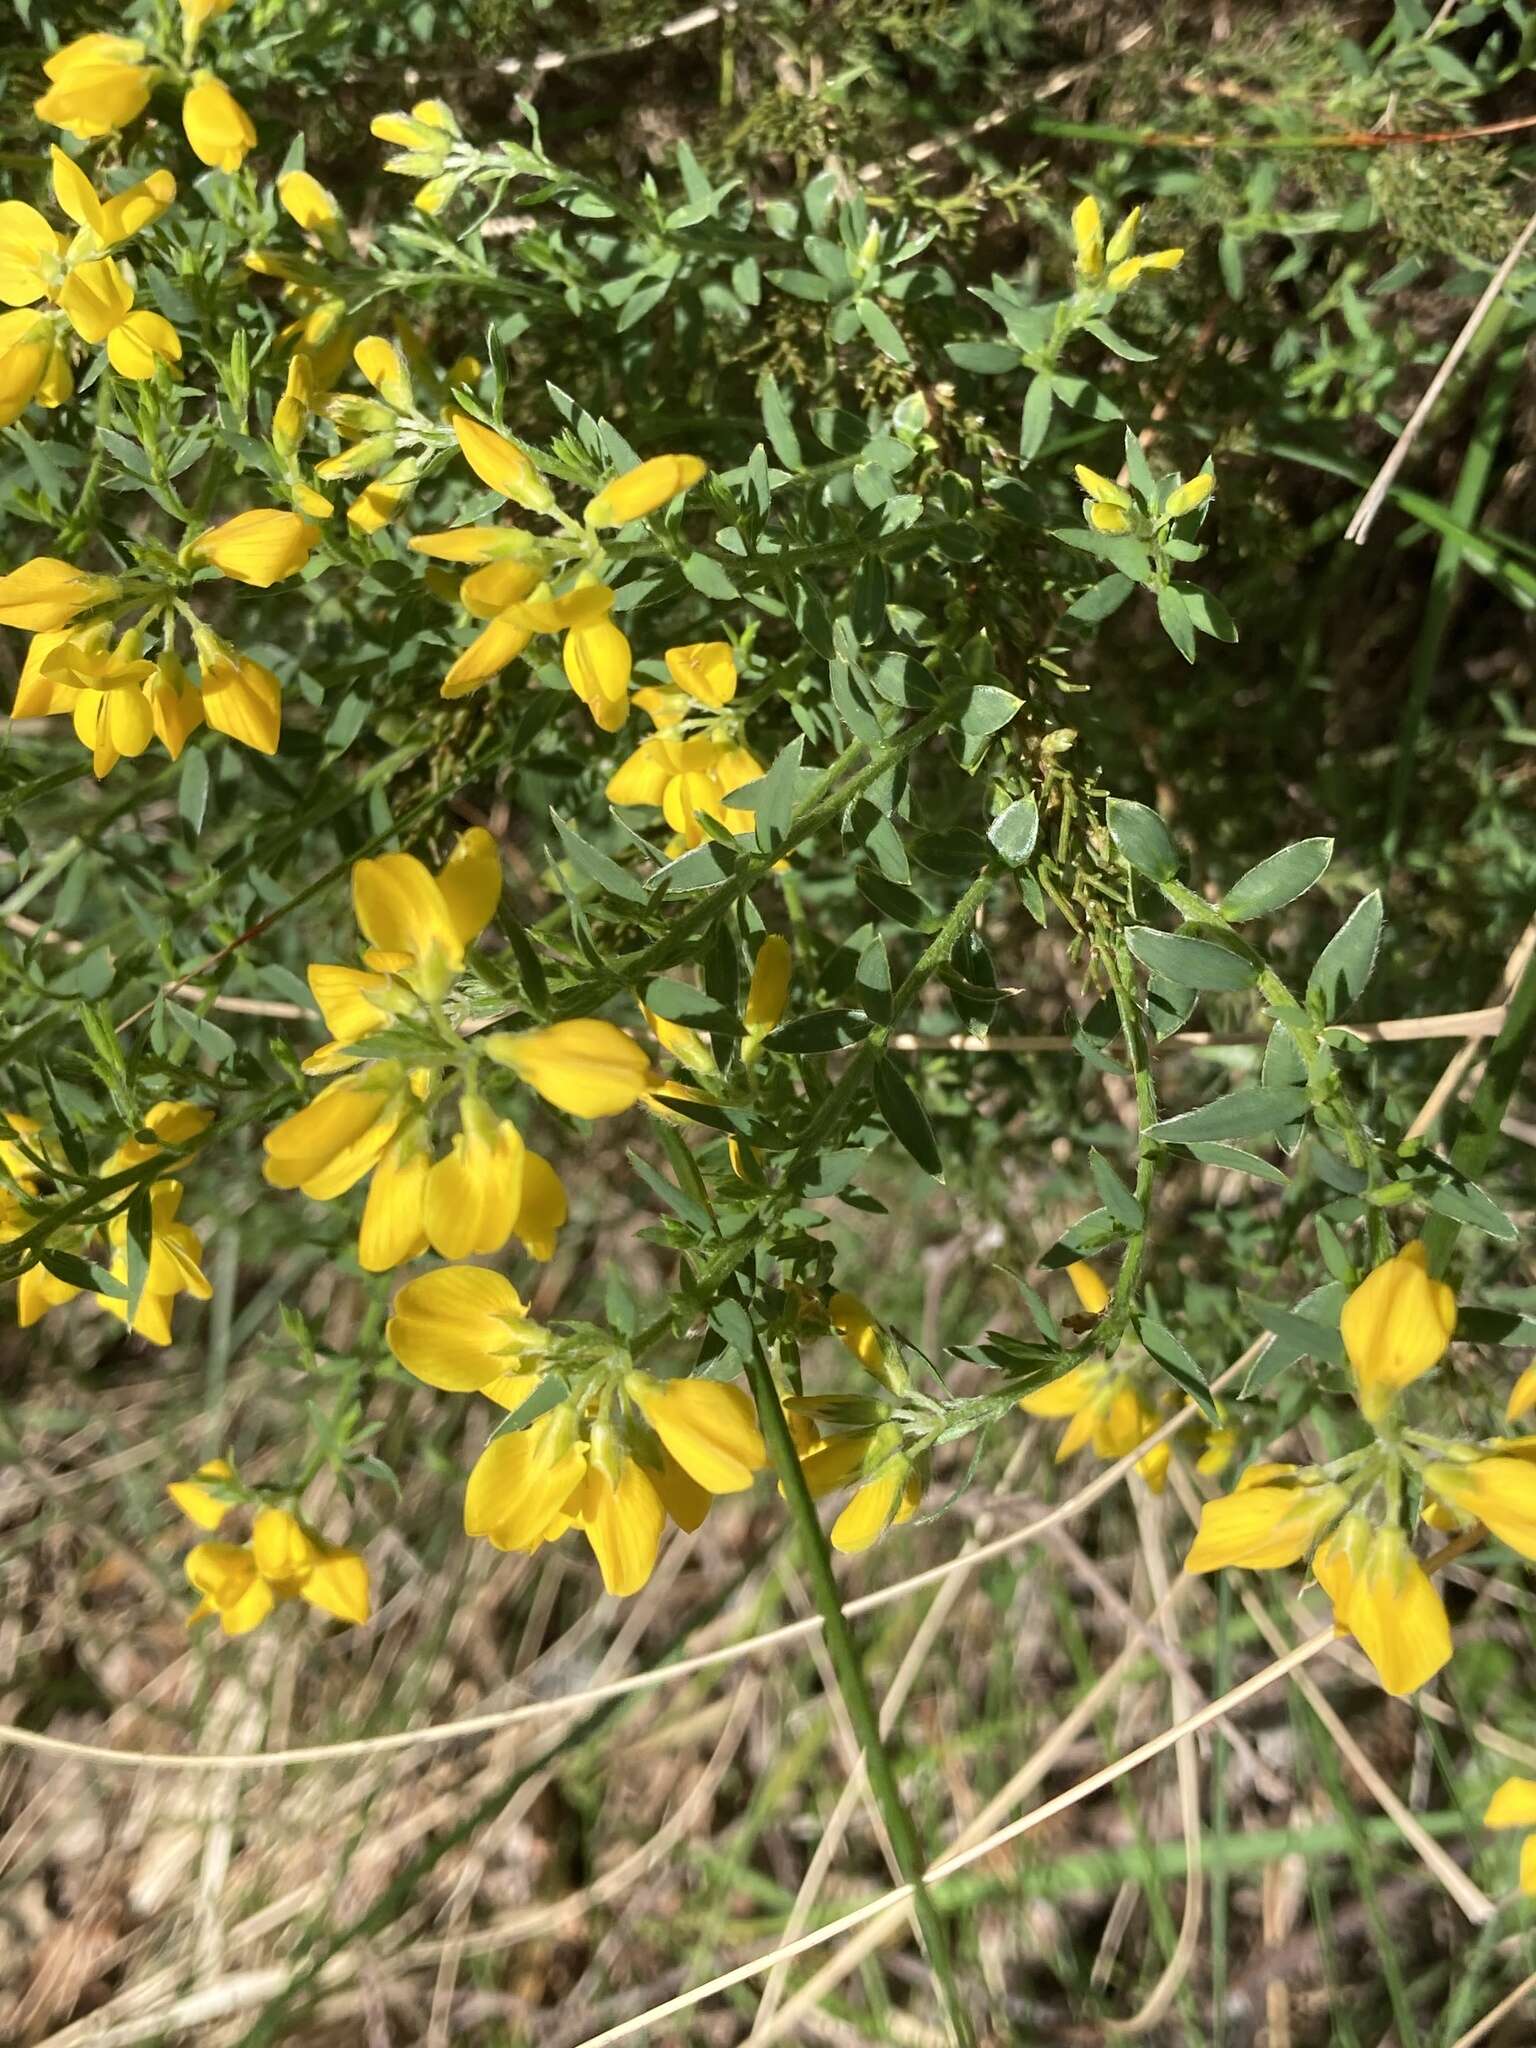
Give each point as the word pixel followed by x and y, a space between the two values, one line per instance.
pixel 259 547
pixel 239 697
pixel 519 604
pixel 99 83
pixel 1384 1598
pixel 622 1518
pixel 1105 1408
pixel 466 1330
pixel 1109 519
pixel 1100 489
pixel 106 222
pixel 709 1428
pixel 685 778
pixel 310 206
pixel 283 1561
pixel 45 594
pixel 586 1066
pixel 103 684
pixel 705 671
pixel 473 1194
pixel 196 15
pixel 1513 1805
pixel 34 363
pixel 1092 1294
pixel 852 1322
pixel 643 489
pixel 328 1146
pixel 520 1484
pixel 1262 1526
pixel 196 1500
pixel 418 924
pixel 1499 1490
pixel 1396 1326
pixel 383 365
pixel 1088 235
pixel 500 463
pixel 219 129
pixel 175 1266
pixel 1522 1396
pixel 1124 275
pixel 1189 497
pixel 98 301
pixel 888 1486
pixel 1220 1448
pixel 767 994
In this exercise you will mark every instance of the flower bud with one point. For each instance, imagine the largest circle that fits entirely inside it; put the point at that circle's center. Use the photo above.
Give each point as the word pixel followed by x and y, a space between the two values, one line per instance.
pixel 260 547
pixel 1189 497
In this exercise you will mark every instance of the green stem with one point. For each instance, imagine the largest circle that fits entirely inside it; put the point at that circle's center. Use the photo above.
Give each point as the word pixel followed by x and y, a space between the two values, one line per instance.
pixel 854 1687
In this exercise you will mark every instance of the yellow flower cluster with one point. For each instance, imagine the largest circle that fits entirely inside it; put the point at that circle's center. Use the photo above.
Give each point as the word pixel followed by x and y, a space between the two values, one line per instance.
pixel 284 1560
pixel 1113 267
pixel 513 587
pixel 56 282
pixel 117 697
pixel 615 1455
pixel 855 1440
pixel 175 1252
pixel 100 83
pixel 1396 1326
pixel 376 1119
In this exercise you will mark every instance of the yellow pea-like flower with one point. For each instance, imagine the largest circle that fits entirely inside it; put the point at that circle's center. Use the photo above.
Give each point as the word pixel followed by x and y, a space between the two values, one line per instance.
pixel 1396 1326
pixel 501 464
pixel 644 489
pixel 1384 1598
pixel 241 698
pixel 221 132
pixel 1109 519
pixel 328 1146
pixel 196 1501
pixel 463 1328
pixel 586 1067
pixel 1263 1527
pixel 1088 237
pixel 384 367
pixel 1092 1294
pixel 708 1427
pixel 45 594
pixel 858 1330
pixel 308 204
pixel 705 671
pixel 767 993
pixel 98 84
pixel 1102 489
pixel 260 547
pixel 1513 1805
pixel 521 1482
pixel 622 1518
pixel 1497 1490
pixel 1190 496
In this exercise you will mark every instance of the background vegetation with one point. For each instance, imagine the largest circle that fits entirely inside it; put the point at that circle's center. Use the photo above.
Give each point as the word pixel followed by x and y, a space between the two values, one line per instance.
pixel 557 1877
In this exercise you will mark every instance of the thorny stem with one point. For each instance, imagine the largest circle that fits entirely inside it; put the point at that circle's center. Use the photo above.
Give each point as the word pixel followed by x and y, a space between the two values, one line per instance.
pixel 854 1687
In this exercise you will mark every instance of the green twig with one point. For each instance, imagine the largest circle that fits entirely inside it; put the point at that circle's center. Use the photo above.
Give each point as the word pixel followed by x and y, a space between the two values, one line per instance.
pixel 854 1687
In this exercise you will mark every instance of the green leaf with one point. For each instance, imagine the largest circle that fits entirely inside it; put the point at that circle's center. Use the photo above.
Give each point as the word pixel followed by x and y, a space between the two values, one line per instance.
pixel 1177 1363
pixel 906 1117
pixel 597 867
pixel 208 1037
pixel 192 790
pixel 822 1031
pixel 1102 599
pixel 1035 420
pixel 1143 839
pixel 1284 1067
pixel 1278 880
pixel 708 578
pixel 1230 1160
pixel 985 358
pixel 679 1003
pixel 141 1245
pixel 1195 963
pixel 988 709
pixel 882 331
pixel 1174 617
pixel 1207 614
pixel 778 423
pixel 1013 832
pixel 1310 1338
pixel 1114 1194
pixel 1465 1202
pixel 1346 962
pixel 1245 1113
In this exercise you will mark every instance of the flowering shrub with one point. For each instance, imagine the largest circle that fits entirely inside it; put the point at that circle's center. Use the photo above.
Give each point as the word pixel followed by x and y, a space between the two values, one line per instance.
pixel 828 535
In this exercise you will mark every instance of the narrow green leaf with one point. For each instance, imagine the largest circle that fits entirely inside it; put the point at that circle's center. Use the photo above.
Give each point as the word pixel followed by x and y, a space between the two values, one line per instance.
pixel 1277 880
pixel 906 1117
pixel 1345 965
pixel 1195 963
pixel 1142 838
pixel 1245 1113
